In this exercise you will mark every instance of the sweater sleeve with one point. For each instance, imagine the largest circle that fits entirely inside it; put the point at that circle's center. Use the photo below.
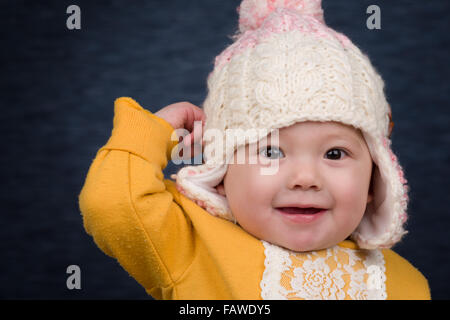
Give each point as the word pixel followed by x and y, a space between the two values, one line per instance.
pixel 126 203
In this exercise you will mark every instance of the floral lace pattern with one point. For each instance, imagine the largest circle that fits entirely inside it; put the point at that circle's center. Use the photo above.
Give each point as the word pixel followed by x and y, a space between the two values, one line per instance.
pixel 335 273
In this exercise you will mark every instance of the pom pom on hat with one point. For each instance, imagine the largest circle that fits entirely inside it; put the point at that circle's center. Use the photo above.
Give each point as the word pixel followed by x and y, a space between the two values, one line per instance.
pixel 252 13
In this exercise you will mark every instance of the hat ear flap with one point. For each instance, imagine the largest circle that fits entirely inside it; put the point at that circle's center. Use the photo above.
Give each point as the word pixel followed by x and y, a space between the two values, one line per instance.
pixel 382 223
pixel 199 182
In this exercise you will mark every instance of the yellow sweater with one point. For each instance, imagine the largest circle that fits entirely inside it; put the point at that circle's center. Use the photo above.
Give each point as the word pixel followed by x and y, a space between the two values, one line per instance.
pixel 173 247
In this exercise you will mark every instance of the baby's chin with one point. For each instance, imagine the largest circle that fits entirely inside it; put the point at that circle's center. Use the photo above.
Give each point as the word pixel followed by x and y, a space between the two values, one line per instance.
pixel 302 245
pixel 299 247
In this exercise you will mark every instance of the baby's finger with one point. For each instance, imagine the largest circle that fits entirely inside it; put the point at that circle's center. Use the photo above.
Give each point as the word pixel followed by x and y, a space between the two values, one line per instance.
pixel 192 114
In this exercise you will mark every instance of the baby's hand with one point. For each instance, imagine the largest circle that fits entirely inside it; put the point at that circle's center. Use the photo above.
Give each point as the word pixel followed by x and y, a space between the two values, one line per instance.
pixel 183 115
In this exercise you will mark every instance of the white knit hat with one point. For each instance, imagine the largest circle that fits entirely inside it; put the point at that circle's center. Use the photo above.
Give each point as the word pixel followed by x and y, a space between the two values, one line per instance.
pixel 287 66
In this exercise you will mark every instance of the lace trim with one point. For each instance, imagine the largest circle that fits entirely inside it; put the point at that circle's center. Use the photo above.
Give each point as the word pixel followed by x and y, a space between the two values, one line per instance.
pixel 331 274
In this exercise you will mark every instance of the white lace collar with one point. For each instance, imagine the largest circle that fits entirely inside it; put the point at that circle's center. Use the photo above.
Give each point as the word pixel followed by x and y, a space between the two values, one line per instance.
pixel 335 273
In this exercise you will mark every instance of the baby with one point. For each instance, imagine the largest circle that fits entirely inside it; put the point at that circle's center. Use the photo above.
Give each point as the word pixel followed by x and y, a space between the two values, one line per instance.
pixel 320 225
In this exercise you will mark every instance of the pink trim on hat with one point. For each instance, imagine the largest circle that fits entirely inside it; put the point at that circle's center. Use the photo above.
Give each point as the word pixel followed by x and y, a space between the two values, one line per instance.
pixel 401 175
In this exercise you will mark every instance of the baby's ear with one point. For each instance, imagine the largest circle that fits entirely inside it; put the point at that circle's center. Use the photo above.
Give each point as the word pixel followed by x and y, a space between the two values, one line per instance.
pixel 221 189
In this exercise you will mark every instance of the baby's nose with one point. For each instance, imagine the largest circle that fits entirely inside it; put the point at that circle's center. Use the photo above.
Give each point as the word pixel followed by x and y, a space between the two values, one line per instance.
pixel 304 176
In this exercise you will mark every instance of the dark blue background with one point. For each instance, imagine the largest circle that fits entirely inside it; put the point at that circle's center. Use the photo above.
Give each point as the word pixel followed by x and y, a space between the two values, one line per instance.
pixel 57 92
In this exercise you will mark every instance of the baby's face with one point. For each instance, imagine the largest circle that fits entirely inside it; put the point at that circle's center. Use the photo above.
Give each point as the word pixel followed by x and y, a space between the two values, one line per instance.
pixel 321 164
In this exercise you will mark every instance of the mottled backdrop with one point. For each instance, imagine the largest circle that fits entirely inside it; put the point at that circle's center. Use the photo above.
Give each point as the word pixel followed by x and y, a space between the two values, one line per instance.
pixel 57 92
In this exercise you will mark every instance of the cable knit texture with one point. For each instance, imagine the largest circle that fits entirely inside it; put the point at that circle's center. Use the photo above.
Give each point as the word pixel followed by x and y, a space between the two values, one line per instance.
pixel 287 66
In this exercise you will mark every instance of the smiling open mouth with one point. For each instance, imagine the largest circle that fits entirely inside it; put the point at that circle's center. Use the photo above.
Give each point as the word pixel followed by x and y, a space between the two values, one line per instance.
pixel 295 210
pixel 298 215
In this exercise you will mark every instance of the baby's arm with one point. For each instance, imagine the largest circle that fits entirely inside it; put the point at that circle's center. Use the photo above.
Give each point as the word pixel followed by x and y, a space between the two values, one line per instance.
pixel 128 207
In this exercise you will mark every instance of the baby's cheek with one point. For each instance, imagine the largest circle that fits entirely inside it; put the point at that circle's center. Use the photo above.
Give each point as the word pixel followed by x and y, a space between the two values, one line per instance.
pixel 351 200
pixel 353 209
pixel 248 190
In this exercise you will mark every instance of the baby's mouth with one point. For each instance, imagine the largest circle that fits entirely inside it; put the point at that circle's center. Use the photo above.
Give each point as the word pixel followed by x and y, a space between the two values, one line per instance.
pixel 296 210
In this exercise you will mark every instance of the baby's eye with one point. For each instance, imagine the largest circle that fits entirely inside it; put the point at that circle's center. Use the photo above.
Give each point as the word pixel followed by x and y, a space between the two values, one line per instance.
pixel 335 154
pixel 271 152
